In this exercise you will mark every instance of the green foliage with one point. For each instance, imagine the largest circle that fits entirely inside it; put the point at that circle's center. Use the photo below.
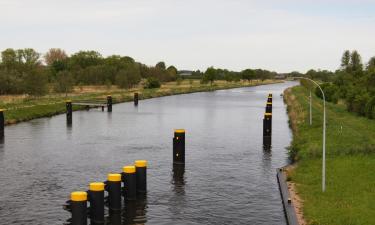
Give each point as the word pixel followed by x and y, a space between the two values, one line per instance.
pixel 64 82
pixel 209 75
pixel 350 158
pixel 152 82
pixel 35 83
pixel 330 91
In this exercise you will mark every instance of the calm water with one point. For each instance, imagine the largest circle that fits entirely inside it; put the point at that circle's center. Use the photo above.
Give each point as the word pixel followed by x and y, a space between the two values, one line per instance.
pixel 228 178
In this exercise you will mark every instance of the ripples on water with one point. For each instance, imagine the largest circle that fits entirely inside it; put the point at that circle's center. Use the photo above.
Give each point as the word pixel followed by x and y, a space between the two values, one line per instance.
pixel 228 177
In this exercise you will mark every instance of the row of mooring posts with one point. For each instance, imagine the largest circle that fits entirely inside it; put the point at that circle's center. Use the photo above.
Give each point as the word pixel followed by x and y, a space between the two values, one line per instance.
pixel 69 106
pixel 129 185
pixel 267 123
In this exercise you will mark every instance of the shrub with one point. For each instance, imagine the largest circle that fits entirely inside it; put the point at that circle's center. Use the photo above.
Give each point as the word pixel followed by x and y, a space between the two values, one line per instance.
pixel 152 82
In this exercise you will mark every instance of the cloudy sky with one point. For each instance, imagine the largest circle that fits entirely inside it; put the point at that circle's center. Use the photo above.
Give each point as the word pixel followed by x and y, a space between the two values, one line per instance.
pixel 279 35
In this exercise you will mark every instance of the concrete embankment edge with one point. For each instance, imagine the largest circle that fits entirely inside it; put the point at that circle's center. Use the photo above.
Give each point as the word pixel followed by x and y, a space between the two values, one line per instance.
pixel 288 205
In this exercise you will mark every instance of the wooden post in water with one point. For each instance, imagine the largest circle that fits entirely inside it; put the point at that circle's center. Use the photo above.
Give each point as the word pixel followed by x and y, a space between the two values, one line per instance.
pixel 109 103
pixel 69 112
pixel 136 96
pixel 2 123
pixel 267 129
pixel 179 146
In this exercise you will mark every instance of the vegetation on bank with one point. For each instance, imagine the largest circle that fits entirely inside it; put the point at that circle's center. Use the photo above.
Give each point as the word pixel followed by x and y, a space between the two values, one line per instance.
pixel 350 163
pixel 25 71
pixel 23 107
pixel 353 83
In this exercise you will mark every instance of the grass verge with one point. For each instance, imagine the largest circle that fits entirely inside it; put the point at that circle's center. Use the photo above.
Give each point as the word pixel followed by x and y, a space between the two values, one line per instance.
pixel 350 165
pixel 23 108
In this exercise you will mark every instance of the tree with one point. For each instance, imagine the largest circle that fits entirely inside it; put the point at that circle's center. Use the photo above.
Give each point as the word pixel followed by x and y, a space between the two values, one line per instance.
pixel 355 62
pixel 64 82
pixel 345 60
pixel 127 78
pixel 209 75
pixel 84 59
pixel 9 58
pixel 371 64
pixel 35 83
pixel 160 65
pixel 53 55
pixel 248 74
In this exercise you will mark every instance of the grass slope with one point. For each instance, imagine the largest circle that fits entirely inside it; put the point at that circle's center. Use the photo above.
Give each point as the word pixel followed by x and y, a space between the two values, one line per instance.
pixel 350 178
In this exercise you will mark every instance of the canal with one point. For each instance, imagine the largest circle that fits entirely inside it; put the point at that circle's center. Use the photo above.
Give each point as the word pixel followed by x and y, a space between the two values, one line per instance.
pixel 227 179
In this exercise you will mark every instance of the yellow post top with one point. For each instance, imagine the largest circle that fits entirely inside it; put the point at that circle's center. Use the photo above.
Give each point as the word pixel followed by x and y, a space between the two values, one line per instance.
pixel 109 95
pixel 140 163
pixel 2 110
pixel 78 196
pixel 179 131
pixel 128 169
pixel 268 114
pixel 96 186
pixel 269 103
pixel 68 101
pixel 114 177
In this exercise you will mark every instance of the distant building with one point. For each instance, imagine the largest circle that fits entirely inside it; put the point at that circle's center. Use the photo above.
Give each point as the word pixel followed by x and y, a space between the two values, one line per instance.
pixel 185 73
pixel 280 76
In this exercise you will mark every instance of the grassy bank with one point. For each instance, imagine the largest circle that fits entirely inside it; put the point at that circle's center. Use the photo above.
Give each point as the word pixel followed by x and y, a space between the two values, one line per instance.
pixel 350 171
pixel 22 108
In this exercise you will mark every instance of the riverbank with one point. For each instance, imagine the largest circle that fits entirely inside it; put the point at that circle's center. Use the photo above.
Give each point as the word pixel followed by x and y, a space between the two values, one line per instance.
pixel 350 163
pixel 21 108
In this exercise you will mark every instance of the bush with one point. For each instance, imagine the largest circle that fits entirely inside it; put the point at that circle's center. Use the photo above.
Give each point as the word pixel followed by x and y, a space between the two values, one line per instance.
pixel 152 82
pixel 331 92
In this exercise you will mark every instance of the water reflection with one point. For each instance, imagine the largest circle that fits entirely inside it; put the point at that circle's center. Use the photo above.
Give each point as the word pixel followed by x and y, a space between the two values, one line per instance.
pixel 178 178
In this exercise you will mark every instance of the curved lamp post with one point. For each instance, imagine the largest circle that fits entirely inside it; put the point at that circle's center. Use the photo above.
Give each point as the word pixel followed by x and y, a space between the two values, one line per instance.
pixel 324 133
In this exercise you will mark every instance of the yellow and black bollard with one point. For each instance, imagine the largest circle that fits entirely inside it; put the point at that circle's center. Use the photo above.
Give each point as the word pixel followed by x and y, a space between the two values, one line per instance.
pixel 179 146
pixel 141 176
pixel 69 111
pixel 269 99
pixel 78 208
pixel 109 103
pixel 113 187
pixel 2 123
pixel 130 180
pixel 96 199
pixel 267 129
pixel 269 107
pixel 136 96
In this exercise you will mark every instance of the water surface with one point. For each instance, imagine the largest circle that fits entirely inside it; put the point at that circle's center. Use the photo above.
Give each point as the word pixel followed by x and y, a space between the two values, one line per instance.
pixel 228 177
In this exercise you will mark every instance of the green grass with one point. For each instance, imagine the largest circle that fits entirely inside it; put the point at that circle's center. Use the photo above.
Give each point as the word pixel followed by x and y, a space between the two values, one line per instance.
pixel 21 108
pixel 350 178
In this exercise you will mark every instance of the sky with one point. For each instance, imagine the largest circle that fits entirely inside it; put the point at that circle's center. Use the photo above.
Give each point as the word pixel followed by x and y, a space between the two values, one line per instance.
pixel 278 35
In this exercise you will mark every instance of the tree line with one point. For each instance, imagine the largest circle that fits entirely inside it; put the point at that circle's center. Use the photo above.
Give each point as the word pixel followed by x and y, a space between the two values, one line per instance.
pixel 353 83
pixel 25 71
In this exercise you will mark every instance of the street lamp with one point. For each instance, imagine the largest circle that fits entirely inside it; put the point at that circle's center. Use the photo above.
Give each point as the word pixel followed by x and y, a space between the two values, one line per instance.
pixel 324 131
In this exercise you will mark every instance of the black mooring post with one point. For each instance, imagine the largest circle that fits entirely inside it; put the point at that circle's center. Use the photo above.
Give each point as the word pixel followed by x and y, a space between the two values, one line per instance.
pixel 109 103
pixel 141 176
pixel 113 187
pixel 269 107
pixel 267 129
pixel 269 99
pixel 96 199
pixel 2 123
pixel 136 96
pixel 78 207
pixel 129 178
pixel 69 112
pixel 179 146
